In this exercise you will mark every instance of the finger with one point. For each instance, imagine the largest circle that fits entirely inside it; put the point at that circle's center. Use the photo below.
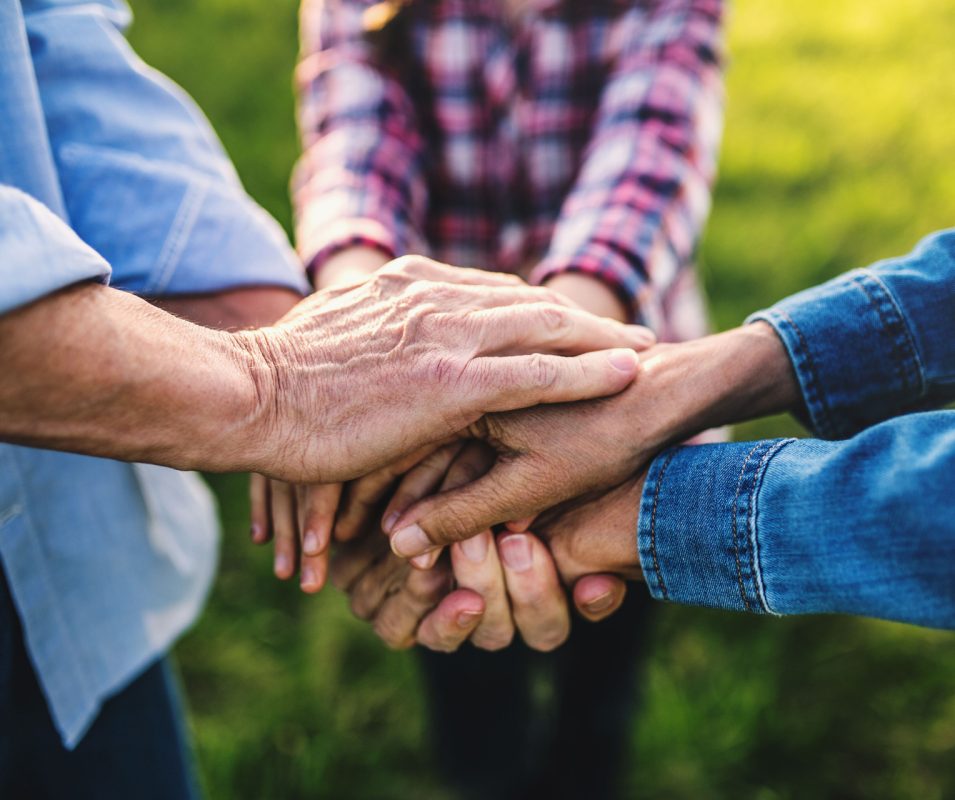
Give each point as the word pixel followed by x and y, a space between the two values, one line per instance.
pixel 352 559
pixel 509 491
pixel 520 525
pixel 317 509
pixel 552 328
pixel 317 505
pixel 401 614
pixel 284 528
pixel 512 382
pixel 420 481
pixel 422 268
pixel 476 566
pixel 376 584
pixel 598 596
pixel 537 598
pixel 260 530
pixel 454 620
pixel 361 504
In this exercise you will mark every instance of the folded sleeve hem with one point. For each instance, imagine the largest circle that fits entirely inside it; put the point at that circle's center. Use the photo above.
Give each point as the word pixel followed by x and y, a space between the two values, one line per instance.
pixel 852 350
pixel 697 528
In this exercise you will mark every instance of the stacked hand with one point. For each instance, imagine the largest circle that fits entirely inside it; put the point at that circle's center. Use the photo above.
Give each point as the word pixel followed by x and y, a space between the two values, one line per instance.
pixel 459 510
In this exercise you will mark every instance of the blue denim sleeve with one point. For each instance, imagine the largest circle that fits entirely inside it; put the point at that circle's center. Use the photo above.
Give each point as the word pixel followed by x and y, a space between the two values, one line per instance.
pixel 145 181
pixel 861 526
pixel 39 254
pixel 875 342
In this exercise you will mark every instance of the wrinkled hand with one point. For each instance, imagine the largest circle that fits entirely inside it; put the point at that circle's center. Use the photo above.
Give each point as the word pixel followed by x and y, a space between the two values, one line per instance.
pixel 357 377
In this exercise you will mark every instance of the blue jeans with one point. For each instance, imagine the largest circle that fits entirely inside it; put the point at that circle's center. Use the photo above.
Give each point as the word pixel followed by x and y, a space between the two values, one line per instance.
pixel 136 748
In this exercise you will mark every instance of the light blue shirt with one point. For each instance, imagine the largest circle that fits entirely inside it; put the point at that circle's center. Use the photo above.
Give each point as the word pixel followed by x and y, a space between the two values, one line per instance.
pixel 108 172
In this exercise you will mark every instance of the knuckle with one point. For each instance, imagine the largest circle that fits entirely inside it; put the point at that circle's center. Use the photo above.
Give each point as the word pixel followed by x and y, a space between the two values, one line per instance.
pixel 492 641
pixel 444 370
pixel 550 637
pixel 555 320
pixel 389 631
pixel 542 371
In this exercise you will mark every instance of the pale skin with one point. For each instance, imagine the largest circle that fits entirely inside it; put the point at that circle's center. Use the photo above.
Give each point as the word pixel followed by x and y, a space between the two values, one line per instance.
pixel 492 578
pixel 104 373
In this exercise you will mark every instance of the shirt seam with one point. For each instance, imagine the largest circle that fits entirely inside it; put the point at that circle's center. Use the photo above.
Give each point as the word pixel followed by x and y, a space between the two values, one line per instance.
pixel 894 321
pixel 735 527
pixel 182 226
pixel 653 524
pixel 757 484
pixel 816 398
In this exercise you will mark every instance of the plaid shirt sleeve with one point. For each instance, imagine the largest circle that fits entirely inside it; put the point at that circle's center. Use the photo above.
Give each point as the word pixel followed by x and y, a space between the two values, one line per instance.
pixel 643 191
pixel 360 180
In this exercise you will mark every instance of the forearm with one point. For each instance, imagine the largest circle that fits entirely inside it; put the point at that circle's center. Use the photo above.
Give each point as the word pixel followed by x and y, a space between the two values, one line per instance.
pixel 718 380
pixel 101 372
pixel 233 309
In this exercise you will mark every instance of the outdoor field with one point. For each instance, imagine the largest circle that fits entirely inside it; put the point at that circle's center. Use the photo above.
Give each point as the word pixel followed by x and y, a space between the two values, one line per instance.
pixel 839 150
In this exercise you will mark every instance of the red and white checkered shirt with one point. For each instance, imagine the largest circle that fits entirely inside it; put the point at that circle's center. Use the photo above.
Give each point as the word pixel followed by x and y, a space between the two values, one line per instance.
pixel 576 135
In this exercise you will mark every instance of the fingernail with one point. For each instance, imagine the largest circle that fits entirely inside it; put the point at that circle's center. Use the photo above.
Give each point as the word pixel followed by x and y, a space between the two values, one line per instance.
pixel 410 541
pixel 389 522
pixel 600 603
pixel 467 618
pixel 624 360
pixel 310 544
pixel 281 565
pixel 309 580
pixel 426 560
pixel 516 552
pixel 475 548
pixel 256 532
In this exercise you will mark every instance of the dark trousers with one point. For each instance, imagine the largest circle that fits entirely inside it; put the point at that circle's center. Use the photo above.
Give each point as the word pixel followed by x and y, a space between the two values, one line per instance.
pixel 520 725
pixel 136 749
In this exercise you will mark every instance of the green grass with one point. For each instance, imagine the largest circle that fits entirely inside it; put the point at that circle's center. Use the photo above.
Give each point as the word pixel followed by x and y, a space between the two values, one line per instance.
pixel 841 121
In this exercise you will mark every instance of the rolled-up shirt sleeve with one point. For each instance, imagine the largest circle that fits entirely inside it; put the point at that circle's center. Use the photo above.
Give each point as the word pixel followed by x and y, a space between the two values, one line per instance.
pixel 145 181
pixel 636 212
pixel 360 180
pixel 862 526
pixel 874 342
pixel 39 254
pixel 859 521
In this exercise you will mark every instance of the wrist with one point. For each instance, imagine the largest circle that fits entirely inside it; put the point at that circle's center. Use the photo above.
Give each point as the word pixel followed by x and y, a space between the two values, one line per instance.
pixel 590 293
pixel 349 265
pixel 721 379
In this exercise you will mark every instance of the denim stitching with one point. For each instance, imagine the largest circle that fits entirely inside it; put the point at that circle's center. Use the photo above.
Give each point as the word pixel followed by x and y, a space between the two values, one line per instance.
pixel 751 521
pixel 653 525
pixel 171 254
pixel 739 564
pixel 907 332
pixel 815 395
pixel 893 321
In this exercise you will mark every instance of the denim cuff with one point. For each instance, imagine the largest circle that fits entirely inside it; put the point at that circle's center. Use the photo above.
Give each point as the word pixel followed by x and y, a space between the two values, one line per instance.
pixel 697 525
pixel 852 350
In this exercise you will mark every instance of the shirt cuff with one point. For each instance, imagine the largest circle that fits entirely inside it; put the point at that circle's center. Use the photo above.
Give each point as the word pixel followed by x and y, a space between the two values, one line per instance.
pixel 696 531
pixel 320 242
pixel 602 262
pixel 39 254
pixel 852 350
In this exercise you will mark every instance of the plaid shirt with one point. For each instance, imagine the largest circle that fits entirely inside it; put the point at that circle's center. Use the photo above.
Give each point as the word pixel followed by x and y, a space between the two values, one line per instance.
pixel 572 136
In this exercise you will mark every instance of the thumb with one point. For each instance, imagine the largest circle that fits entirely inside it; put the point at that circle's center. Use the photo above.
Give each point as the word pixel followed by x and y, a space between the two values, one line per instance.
pixel 451 516
pixel 598 596
pixel 506 383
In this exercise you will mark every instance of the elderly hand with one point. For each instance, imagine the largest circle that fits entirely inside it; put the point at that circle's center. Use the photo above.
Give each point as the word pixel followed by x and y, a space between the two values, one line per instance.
pixel 357 377
pixel 548 456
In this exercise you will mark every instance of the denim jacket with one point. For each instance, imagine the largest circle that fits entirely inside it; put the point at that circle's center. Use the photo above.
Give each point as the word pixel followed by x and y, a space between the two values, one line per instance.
pixel 860 520
pixel 108 172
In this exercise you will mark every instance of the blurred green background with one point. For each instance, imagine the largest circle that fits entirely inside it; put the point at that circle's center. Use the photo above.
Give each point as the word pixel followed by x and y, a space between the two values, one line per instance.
pixel 838 151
